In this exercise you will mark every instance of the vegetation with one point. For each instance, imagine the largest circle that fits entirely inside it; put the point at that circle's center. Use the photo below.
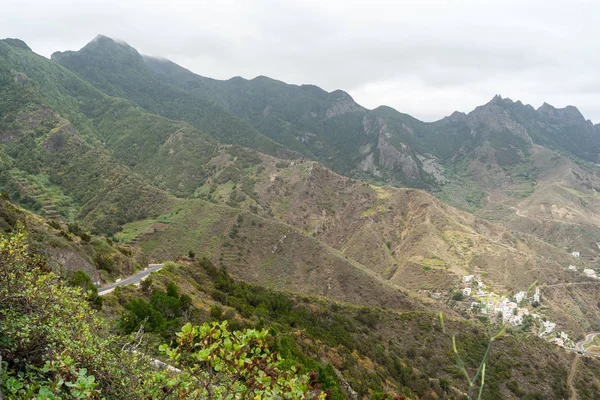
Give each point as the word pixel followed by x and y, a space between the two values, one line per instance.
pixel 88 152
pixel 53 345
pixel 413 356
pixel 119 71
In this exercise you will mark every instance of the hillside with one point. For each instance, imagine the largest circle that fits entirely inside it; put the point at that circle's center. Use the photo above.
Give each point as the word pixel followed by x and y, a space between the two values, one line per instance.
pixel 486 161
pixel 318 345
pixel 68 248
pixel 404 236
pixel 297 210
pixel 118 70
pixel 413 355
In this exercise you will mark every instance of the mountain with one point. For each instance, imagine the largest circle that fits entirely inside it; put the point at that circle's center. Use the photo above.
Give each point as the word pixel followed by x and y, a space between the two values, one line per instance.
pixel 491 161
pixel 387 236
pixel 118 70
pixel 260 181
pixel 487 161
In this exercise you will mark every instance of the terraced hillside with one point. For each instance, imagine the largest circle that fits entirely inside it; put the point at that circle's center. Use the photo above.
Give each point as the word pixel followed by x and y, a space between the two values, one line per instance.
pixel 126 168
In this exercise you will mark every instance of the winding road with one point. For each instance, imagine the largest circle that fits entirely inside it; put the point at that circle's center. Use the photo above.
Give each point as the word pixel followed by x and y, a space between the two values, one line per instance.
pixel 580 346
pixel 133 279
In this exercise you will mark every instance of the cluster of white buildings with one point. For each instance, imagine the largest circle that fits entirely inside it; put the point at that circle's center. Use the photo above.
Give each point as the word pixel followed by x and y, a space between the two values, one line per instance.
pixel 511 313
pixel 563 340
pixel 548 327
pixel 493 305
pixel 512 310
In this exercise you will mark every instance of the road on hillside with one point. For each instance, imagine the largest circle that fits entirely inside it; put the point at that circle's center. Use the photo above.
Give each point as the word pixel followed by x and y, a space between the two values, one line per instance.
pixel 588 338
pixel 133 279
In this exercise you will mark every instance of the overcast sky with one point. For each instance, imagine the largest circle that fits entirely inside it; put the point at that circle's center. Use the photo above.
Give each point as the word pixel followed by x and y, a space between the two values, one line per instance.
pixel 425 58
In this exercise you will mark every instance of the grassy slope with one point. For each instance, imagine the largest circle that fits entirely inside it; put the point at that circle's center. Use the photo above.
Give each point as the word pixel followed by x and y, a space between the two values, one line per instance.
pixel 264 251
pixel 373 350
pixel 403 235
pixel 39 142
pixel 69 249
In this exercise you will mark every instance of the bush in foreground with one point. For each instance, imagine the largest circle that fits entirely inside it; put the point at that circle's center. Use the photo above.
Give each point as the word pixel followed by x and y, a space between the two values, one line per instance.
pixel 54 345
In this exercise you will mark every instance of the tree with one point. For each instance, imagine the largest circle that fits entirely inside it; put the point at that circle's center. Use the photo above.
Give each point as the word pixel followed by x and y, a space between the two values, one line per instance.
pixel 52 343
pixel 145 284
pixel 217 363
pixel 185 301
pixel 173 290
pixel 167 305
pixel 82 280
pixel 55 346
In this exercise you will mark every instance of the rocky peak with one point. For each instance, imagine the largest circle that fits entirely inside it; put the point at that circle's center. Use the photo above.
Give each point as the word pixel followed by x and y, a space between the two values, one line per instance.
pixel 342 103
pixel 456 116
pixel 498 100
pixel 569 114
pixel 496 116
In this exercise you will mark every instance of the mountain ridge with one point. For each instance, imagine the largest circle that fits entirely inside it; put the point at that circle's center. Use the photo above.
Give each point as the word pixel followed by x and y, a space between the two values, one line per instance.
pixel 282 203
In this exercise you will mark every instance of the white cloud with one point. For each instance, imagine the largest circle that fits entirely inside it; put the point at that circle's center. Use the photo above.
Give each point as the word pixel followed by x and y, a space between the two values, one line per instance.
pixel 426 58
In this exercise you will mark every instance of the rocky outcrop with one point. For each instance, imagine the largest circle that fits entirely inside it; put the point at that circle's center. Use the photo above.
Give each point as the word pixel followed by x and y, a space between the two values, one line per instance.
pixel 368 165
pixel 390 157
pixel 494 118
pixel 431 166
pixel 72 261
pixel 342 104
pixel 393 158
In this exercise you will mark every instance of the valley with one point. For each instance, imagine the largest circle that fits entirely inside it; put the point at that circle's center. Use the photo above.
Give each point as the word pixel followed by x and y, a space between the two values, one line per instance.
pixel 347 230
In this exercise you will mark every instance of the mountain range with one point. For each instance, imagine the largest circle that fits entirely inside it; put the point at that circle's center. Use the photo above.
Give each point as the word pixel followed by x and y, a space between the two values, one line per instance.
pixel 304 191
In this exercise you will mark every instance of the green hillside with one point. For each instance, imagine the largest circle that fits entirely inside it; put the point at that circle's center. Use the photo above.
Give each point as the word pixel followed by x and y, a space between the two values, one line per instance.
pixel 297 216
pixel 118 70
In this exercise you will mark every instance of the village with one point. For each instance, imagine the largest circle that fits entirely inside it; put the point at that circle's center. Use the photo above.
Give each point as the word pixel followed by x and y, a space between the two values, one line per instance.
pixel 515 311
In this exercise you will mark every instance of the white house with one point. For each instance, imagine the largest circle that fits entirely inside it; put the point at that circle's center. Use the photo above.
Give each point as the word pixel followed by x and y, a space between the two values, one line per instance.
pixel 572 268
pixel 467 278
pixel 536 296
pixel 549 327
pixel 576 254
pixel 467 291
pixel 520 296
pixel 590 272
pixel 522 312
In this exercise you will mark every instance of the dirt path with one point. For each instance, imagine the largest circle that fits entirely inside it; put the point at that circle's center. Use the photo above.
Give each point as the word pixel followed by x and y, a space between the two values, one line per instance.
pixel 572 377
